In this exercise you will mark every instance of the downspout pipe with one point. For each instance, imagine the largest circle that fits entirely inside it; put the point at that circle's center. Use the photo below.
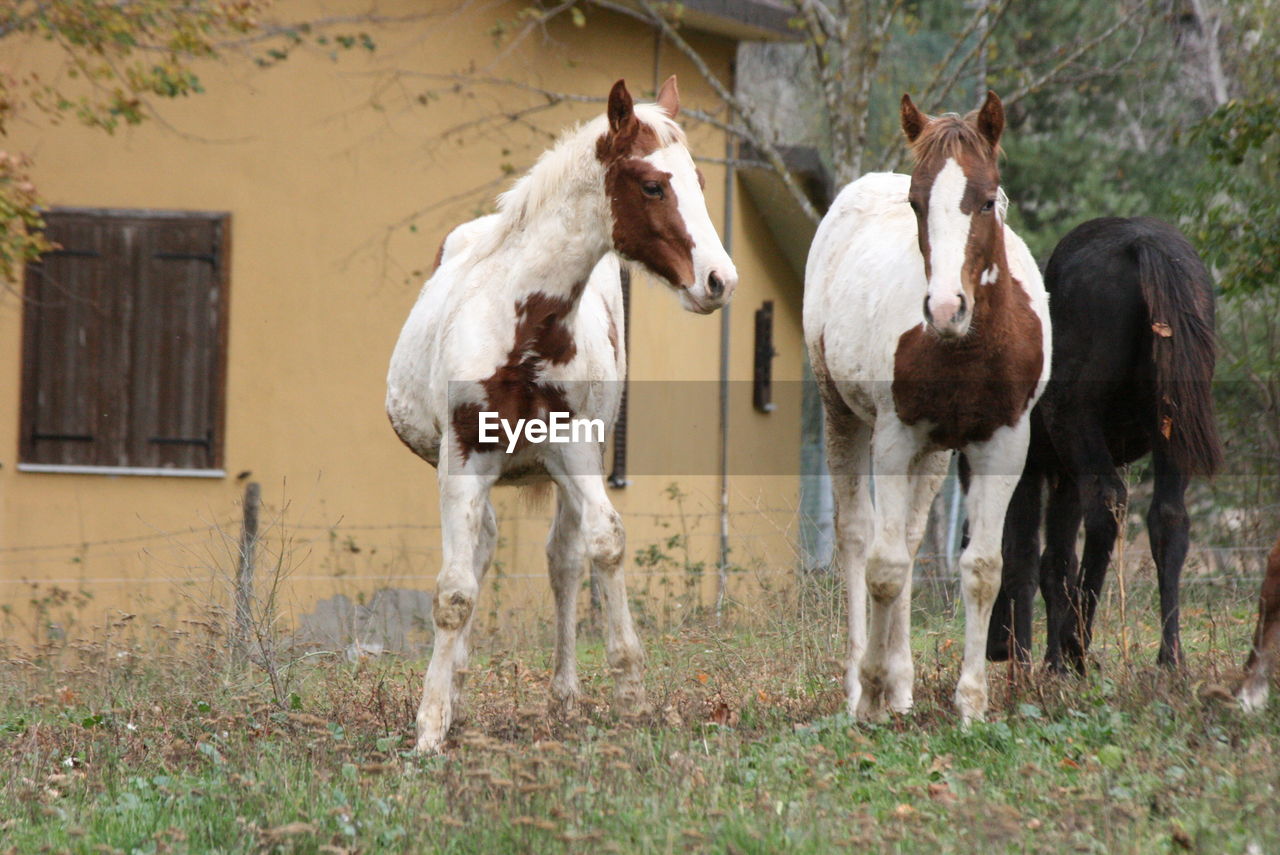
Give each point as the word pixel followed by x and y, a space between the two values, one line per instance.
pixel 722 568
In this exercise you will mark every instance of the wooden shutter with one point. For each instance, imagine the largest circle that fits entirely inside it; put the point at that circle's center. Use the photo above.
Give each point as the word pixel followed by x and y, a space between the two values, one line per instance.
pixel 125 342
pixel 69 307
pixel 175 376
pixel 762 385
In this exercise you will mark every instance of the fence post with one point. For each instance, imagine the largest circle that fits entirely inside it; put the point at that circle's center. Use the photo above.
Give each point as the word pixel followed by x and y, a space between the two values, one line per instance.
pixel 244 576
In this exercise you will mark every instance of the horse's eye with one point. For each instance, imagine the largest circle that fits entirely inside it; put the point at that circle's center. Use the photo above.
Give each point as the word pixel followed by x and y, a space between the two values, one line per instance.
pixel 652 189
pixel 988 206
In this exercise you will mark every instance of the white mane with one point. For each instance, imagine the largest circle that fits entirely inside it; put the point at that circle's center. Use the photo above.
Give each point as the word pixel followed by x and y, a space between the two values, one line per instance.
pixel 570 163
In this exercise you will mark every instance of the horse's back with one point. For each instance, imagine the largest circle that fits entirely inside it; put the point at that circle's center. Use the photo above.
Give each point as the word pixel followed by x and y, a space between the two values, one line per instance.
pixel 863 264
pixel 1101 316
pixel 1121 289
pixel 449 336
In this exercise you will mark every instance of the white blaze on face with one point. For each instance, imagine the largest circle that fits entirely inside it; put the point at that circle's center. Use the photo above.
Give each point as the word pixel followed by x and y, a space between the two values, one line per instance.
pixel 948 242
pixel 709 255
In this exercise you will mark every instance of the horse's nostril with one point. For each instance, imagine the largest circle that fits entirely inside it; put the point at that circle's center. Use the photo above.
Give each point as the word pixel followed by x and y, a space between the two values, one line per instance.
pixel 714 285
pixel 964 307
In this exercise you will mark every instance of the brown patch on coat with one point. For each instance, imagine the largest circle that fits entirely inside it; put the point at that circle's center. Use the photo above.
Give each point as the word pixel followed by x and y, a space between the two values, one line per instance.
pixel 837 409
pixel 516 390
pixel 647 229
pixel 647 226
pixel 1266 637
pixel 435 265
pixel 627 135
pixel 971 386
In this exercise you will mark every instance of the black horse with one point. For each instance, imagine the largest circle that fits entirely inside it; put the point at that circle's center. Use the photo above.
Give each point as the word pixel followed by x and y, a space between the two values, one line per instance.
pixel 1133 355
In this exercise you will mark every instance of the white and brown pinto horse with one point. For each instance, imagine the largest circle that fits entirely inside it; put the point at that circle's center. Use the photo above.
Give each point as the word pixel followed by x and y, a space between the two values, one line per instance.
pixel 508 325
pixel 928 328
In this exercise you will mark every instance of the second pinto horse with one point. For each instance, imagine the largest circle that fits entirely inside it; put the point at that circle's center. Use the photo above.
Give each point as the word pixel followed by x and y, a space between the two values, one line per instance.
pixel 509 328
pixel 928 328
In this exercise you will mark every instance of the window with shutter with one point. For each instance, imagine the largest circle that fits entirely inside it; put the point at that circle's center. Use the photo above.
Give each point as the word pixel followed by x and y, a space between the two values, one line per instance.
pixel 124 344
pixel 762 375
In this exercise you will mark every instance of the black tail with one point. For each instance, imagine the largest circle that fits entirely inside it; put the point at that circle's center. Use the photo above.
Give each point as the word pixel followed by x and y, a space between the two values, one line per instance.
pixel 1179 296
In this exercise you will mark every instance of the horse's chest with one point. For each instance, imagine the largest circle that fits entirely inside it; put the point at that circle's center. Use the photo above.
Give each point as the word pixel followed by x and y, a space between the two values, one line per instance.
pixel 967 390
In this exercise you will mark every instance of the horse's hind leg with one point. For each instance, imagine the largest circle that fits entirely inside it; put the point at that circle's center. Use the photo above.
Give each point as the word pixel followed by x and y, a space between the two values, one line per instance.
pixel 849 461
pixel 577 473
pixel 996 465
pixel 1010 631
pixel 1059 567
pixel 466 538
pixel 565 557
pixel 486 542
pixel 1104 499
pixel 1169 526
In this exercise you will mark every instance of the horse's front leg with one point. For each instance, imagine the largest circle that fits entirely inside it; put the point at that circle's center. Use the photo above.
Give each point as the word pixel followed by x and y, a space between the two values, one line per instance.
pixel 894 450
pixel 928 472
pixel 565 555
pixel 576 469
pixel 996 465
pixel 467 537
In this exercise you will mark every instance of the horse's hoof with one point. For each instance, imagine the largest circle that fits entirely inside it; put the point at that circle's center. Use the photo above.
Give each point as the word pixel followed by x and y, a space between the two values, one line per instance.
pixel 971 700
pixel 630 700
pixel 872 708
pixel 1253 698
pixel 429 745
pixel 563 702
pixel 433 727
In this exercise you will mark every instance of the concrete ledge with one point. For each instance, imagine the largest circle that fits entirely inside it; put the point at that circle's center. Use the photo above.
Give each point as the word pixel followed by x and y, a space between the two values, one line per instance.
pixel 741 20
pixel 792 230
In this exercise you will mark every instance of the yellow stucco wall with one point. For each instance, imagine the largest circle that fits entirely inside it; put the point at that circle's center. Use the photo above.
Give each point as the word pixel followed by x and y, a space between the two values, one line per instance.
pixel 318 160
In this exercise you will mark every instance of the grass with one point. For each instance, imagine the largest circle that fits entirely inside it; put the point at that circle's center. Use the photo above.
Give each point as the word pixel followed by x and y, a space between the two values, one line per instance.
pixel 138 744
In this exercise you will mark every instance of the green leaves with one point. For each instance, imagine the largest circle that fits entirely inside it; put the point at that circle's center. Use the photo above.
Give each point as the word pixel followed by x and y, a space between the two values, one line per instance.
pixel 1235 213
pixel 1238 128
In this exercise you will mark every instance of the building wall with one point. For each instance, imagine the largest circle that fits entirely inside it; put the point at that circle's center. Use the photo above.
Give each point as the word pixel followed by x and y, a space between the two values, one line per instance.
pixel 341 185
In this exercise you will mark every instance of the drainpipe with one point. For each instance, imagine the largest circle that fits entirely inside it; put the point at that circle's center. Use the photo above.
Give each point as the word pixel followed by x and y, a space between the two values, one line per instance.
pixel 722 570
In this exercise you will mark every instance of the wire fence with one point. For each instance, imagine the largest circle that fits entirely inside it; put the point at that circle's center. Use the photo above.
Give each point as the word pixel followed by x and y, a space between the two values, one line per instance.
pixel 24 564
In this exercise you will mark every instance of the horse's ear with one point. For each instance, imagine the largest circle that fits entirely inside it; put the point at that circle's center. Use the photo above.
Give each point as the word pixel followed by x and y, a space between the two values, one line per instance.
pixel 620 106
pixel 991 119
pixel 913 121
pixel 669 97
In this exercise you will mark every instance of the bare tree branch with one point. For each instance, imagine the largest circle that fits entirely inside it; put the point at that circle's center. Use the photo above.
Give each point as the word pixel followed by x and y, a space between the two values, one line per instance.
pixel 760 135
pixel 1080 50
pixel 818 17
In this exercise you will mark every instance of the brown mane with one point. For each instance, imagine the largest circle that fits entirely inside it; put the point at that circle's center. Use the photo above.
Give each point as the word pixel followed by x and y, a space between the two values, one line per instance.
pixel 949 135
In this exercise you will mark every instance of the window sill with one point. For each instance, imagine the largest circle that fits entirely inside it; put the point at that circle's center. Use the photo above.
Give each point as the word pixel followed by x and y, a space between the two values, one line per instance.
pixel 71 469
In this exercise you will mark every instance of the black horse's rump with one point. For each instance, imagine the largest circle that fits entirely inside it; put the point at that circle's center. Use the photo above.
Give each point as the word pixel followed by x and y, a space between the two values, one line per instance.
pixel 1131 305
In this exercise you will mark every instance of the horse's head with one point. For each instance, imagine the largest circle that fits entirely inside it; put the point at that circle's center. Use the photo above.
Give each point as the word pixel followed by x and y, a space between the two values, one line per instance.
pixel 954 192
pixel 660 216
